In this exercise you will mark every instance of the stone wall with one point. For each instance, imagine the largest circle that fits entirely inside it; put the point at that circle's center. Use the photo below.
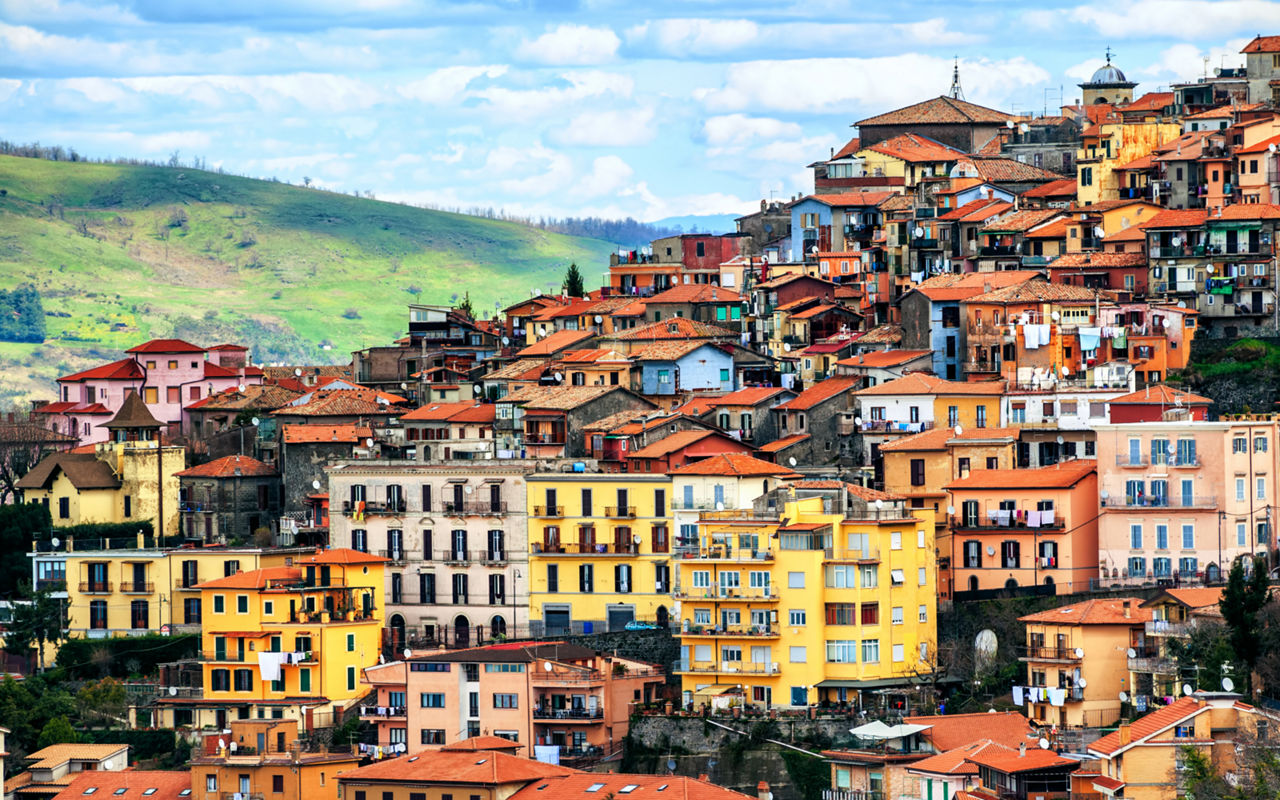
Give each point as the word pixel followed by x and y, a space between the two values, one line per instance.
pixel 655 646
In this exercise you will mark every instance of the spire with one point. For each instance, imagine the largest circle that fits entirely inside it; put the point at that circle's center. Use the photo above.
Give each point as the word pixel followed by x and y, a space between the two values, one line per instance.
pixel 1109 54
pixel 956 92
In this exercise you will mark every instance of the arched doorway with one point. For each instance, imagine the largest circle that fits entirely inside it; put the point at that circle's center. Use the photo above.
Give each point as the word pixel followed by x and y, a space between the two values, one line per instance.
pixel 498 627
pixel 973 583
pixel 1011 585
pixel 397 633
pixel 461 631
pixel 664 618
pixel 1211 574
pixel 1048 580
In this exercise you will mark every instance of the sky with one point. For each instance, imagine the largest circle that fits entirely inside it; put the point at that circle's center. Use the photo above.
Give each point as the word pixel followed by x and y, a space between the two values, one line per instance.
pixel 559 107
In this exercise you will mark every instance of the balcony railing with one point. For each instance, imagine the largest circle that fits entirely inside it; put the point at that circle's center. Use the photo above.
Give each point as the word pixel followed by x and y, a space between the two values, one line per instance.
pixel 1130 461
pixel 726 553
pixel 731 667
pixel 1153 501
pixel 999 250
pixel 1011 521
pixel 476 507
pixel 568 714
pixel 1153 664
pixel 620 511
pixel 548 511
pixel 851 794
pixel 733 631
pixel 383 712
pixel 396 556
pixel 1048 654
pixel 95 587
pixel 136 587
pixel 1163 627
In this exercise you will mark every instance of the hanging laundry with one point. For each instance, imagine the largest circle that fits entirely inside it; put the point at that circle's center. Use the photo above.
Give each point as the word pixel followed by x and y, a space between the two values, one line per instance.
pixel 1031 337
pixel 1033 519
pixel 1057 697
pixel 1121 339
pixel 1047 517
pixel 1043 335
pixel 1017 695
pixel 269 666
pixel 1090 338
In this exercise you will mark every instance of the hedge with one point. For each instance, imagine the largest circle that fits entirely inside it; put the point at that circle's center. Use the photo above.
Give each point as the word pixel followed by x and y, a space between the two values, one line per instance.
pixel 129 656
pixel 143 744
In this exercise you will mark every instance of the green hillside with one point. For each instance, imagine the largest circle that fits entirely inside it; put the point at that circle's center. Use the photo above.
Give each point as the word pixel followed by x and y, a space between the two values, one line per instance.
pixel 121 254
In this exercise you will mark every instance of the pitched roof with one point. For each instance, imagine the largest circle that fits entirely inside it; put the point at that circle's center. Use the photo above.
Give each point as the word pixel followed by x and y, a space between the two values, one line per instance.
pixel 591 356
pixel 672 442
pixel 956 761
pixel 336 403
pixel 230 466
pixel 998 169
pixel 1148 725
pixel 958 286
pixel 1014 761
pixel 125 369
pixel 1038 291
pixel 940 110
pixel 479 412
pixel 1069 260
pixel 130 784
pixel 1247 211
pixel 1151 101
pixel 977 210
pixel 1024 220
pixel 734 465
pixel 1263 44
pixel 265 397
pixel 675 328
pixel 1063 187
pixel 882 334
pixel 57 754
pixel 84 470
pixel 937 438
pixel 624 785
pixel 491 767
pixel 1195 597
pixel 914 148
pixel 435 412
pixel 883 359
pixel 1062 475
pixel 252 579
pixel 778 445
pixel 920 383
pixel 342 555
pixel 313 434
pixel 1054 229
pixel 1161 394
pixel 949 731
pixel 850 147
pixel 483 743
pixel 166 346
pixel 558 398
pixel 818 393
pixel 1177 218
pixel 856 198
pixel 1109 611
pixel 560 340
pixel 668 350
pixel 750 396
pixel 522 369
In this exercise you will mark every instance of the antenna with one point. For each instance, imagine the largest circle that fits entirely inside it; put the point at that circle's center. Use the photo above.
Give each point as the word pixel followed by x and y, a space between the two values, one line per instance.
pixel 956 92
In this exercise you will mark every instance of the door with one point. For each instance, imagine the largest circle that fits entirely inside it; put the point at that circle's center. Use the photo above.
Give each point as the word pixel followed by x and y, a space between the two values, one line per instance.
pixel 556 621
pixel 461 631
pixel 619 616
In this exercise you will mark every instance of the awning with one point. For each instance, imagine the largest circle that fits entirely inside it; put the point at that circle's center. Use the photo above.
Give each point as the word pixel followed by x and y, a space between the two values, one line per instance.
pixel 1108 786
pixel 717 689
pixel 879 730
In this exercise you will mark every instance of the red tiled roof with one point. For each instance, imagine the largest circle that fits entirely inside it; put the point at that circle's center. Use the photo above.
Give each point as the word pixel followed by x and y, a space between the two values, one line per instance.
pixel 671 443
pixel 1151 101
pixel 695 293
pixel 482 743
pixel 1110 784
pixel 1161 394
pixel 938 110
pixel 452 767
pixel 1263 44
pixel 959 286
pixel 313 434
pixel 253 579
pixel 338 403
pixel 949 731
pixel 998 169
pixel 915 148
pixel 1257 211
pixel 1109 611
pixel 1037 291
pixel 956 761
pixel 850 147
pixel 850 198
pixel 480 412
pixel 669 350
pixel 233 347
pixel 1133 233
pixel 1141 162
pixel 623 785
pixel 555 342
pixel 779 445
pixel 675 328
pixel 590 356
pixel 883 359
pixel 938 438
pixel 1062 475
pixel 166 346
pixel 818 310
pixel 882 334
pixel 124 369
pixel 1012 762
pixel 919 383
pixel 750 396
pixel 1177 218
pixel 977 210
pixel 1183 708
pixel 230 466
pixel 435 412
pixel 738 465
pixel 128 784
pixel 818 393
pixel 1063 187
pixel 1069 260
pixel 342 555
pixel 1056 229
pixel 1025 220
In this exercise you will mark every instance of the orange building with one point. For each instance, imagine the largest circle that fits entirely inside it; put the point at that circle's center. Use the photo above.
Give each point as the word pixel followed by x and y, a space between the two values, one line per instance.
pixel 1019 528
pixel 259 758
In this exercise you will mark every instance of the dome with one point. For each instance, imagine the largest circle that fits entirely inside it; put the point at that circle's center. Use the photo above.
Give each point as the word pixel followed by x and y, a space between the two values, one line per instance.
pixel 1108 74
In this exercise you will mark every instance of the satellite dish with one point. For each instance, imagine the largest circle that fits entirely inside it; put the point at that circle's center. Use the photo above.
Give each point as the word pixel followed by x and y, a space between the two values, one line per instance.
pixel 222 744
pixel 476 390
pixel 315 484
pixel 1066 371
pixel 1209 269
pixel 1164 321
pixel 368 442
pixel 1186 689
pixel 1271 148
pixel 879 504
pixel 1082 683
pixel 505 341
pixel 857 421
pixel 1008 123
pixel 559 378
pixel 1061 440
pixel 468 489
pixel 991 551
pixel 814 250
pixel 297 372
pixel 1229 685
pixel 1176 241
pixel 1104 494
pixel 671 764
pixel 1024 127
pixel 1124 697
pixel 958 430
pixel 951 509
pixel 599 319
pixel 234 746
pixel 720 506
pixel 1079 652
pixel 919 232
pixel 1131 653
pixel 546 666
pixel 408 653
pixel 173 691
pixel 1055 316
pixel 792 461
pixel 55 541
pixel 711 762
pixel 635 539
pixel 786 348
pixel 242 387
pixel 1098 232
pixel 1044 743
pixel 404 385
pixel 1182 304
pixel 255 422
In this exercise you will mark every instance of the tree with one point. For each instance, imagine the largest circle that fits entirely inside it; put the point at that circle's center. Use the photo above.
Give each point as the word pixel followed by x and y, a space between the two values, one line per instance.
pixel 56 731
pixel 465 306
pixel 1204 653
pixel 573 282
pixel 41 621
pixel 1242 600
pixel 103 701
pixel 20 523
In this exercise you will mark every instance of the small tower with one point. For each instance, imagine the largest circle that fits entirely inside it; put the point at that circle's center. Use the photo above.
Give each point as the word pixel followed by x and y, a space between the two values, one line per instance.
pixel 956 92
pixel 134 421
pixel 1108 85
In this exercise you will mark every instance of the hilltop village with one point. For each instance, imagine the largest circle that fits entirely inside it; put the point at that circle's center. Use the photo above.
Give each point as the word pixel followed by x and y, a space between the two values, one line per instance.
pixel 750 480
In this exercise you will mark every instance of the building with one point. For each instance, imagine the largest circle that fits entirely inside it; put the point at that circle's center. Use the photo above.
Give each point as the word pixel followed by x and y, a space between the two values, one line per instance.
pixel 258 758
pixel 883 366
pixel 1025 774
pixel 815 414
pixel 131 477
pixel 1154 672
pixel 676 367
pixel 487 775
pixel 954 122
pixel 51 769
pixel 289 642
pixel 130 784
pixel 456 538
pixel 1152 403
pixel 1142 758
pixel 717 483
pixel 537 695
pixel 1025 529
pixel 1107 85
pixel 679 449
pixel 229 499
pixel 1183 500
pixel 548 421
pixel 747 411
pixel 1076 661
pixel 599 551
pixel 1109 144
pixel 1261 68
pixel 820 598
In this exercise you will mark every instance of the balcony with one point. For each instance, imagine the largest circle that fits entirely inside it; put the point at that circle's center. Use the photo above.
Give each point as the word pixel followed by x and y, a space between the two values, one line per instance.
pixel 1153 501
pixel 544 439
pixel 1036 261
pixel 240 796
pixel 999 250
pixel 1132 461
pixel 1063 654
pixel 50 585
pixel 727 553
pixel 730 668
pixel 1153 664
pixel 396 556
pixel 137 587
pixel 389 508
pixel 1169 251
pixel 732 631
pixel 95 587
pixel 548 511
pixel 924 244
pixel 376 713
pixel 1163 627
pixel 477 508
pixel 851 794
pixel 622 512
pixel 979 367
pixel 893 426
pixel 569 714
pixel 1011 522
pixel 587 548
pixel 869 555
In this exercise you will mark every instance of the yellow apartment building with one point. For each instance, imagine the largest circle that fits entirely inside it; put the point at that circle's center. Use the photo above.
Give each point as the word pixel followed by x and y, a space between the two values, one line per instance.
pixel 268 760
pixel 599 551
pixel 830 595
pixel 1109 144
pixel 291 642
pixel 1077 662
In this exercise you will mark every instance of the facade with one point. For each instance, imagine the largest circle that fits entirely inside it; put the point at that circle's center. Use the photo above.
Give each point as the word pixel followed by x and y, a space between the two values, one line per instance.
pixel 599 551
pixel 728 481
pixel 816 599
pixel 229 499
pixel 746 411
pixel 52 768
pixel 268 760
pixel 456 539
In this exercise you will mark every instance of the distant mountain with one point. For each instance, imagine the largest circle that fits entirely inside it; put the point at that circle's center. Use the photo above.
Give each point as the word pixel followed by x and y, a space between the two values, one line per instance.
pixel 122 253
pixel 701 223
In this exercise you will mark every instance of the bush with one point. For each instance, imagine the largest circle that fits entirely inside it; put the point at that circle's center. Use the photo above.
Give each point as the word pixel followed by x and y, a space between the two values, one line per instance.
pixel 351 313
pixel 82 658
pixel 143 744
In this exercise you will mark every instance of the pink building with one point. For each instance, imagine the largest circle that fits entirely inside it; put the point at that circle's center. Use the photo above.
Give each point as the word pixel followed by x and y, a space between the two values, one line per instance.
pixel 1181 500
pixel 168 374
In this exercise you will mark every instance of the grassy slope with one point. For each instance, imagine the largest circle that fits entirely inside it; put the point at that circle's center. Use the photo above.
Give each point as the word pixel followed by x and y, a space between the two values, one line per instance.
pixel 267 264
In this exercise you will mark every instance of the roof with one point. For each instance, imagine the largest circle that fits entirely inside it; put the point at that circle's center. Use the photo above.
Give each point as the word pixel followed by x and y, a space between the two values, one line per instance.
pixel 856 198
pixel 883 359
pixel 490 767
pixel 882 334
pixel 157 784
pixel 590 356
pixel 1177 218
pixel 915 148
pixel 1011 762
pixel 667 350
pixel 483 743
pixel 998 169
pixel 480 412
pixel 133 413
pixel 671 443
pixel 1149 725
pixel 1151 101
pixel 1062 475
pixel 230 466
pixel 84 470
pixel 920 383
pixel 560 340
pixel 58 754
pixel 1037 291
pixel 1196 597
pixel 675 328
pixel 252 579
pixel 778 445
pixel 959 286
pixel 949 731
pixel 750 396
pixel 850 147
pixel 695 293
pixel 522 369
pixel 435 412
pixel 1054 229
pixel 1022 221
pixel 1263 44
pixel 558 398
pixel 342 555
pixel 937 438
pixel 818 393
pixel 956 761
pixel 123 370
pixel 977 210
pixel 1109 611
pixel 1247 211
pixel 1063 187
pixel 1161 394
pixel 941 110
pixel 734 465
pixel 1069 260
pixel 513 653
pixel 587 785
pixel 266 397
pixel 337 403
pixel 312 434
pixel 166 346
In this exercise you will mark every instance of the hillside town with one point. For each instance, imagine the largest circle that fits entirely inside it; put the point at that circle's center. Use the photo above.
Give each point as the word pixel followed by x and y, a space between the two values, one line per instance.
pixel 900 481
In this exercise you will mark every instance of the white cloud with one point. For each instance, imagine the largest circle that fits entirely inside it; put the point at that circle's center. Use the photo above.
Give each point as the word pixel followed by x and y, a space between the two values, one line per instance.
pixel 453 156
pixel 523 104
pixel 732 131
pixel 686 38
pixel 571 44
pixel 55 11
pixel 1180 19
pixel 134 144
pixel 402 160
pixel 694 37
pixel 1186 61
pixel 8 88
pixel 619 128
pixel 288 163
pixel 310 90
pixel 447 85
pixel 791 152
pixel 535 170
pixel 1085 69
pixel 608 175
pixel 837 85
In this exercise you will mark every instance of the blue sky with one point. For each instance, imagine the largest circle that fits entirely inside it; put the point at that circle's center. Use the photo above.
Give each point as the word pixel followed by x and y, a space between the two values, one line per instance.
pixel 556 107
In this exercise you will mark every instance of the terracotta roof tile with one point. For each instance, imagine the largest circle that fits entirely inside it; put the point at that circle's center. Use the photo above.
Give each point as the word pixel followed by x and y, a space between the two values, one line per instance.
pixel 1247 211
pixel 253 579
pixel 1062 475
pixel 977 210
pixel 84 470
pixel 1094 612
pixel 1013 762
pixel 867 198
pixel 695 293
pixel 122 370
pixel 1055 229
pixel 57 754
pixel 554 343
pixel 337 403
pixel 1038 291
pixel 1151 101
pixel 1180 710
pixel 591 356
pixel 435 412
pixel 1022 221
pixel 1161 394
pixel 1063 187
pixel 1263 44
pixel 937 438
pixel 882 334
pixel 949 731
pixel 671 443
pixel 315 434
pixel 958 286
pixel 624 785
pixel 1195 597
pixel 1177 218
pixel 1097 260
pixel 956 761
pixel 938 110
pixel 482 743
pixel 230 466
pixel 750 396
pixel 919 383
pixel 914 148
pixel 667 350
pixel 166 346
pixel 883 359
pixel 558 398
pixel 737 465
pixel 818 393
pixel 998 169
pixel 523 369
pixel 451 767
pixel 675 328
pixel 779 445
pixel 266 397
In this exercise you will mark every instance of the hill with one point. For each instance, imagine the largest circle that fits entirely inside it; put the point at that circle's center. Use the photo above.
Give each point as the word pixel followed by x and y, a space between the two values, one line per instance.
pixel 122 253
pixel 702 223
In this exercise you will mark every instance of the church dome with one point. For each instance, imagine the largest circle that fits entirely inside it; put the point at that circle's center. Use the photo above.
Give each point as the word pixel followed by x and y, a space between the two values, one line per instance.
pixel 1108 74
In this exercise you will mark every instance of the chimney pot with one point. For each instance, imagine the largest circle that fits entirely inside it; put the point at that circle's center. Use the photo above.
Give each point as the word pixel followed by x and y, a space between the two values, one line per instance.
pixel 1128 610
pixel 762 790
pixel 1022 749
pixel 1125 734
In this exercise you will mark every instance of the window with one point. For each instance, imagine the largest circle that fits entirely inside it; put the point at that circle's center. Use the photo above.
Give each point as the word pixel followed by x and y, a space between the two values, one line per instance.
pixel 1262 488
pixel 1240 490
pixel 895 540
pixel 796 617
pixel 924 613
pixel 982 417
pixel 1259 444
pixel 870 651
pixel 1135 536
pixel 895 615
pixel 1162 536
pixel 1241 535
pixel 351 642
pixel 211 783
pixel 506 701
pixel 701 579
pixel 899 653
pixel 922 576
pixel 840 613
pixel 586 578
pixel 870 614
pixel 242 604
pixel 953 416
pixel 243 680
pixel 870 577
pixel 1239 445
pixel 219 604
pixel 795 580
pixel 432 736
pixel 1188 536
pixel 917 472
pixel 842 651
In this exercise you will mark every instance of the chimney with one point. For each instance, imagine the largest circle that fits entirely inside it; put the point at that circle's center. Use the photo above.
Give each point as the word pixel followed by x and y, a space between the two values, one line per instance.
pixel 1125 734
pixel 986 287
pixel 762 791
pixel 1128 610
pixel 1022 750
pixel 703 777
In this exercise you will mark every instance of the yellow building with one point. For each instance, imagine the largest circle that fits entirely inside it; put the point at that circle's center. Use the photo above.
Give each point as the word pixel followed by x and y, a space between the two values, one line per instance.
pixel 599 551
pixel 269 760
pixel 1112 143
pixel 123 480
pixel 831 597
pixel 291 642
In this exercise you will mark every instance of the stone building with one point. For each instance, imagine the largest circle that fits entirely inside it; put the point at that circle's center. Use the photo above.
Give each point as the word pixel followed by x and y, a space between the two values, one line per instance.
pixel 229 499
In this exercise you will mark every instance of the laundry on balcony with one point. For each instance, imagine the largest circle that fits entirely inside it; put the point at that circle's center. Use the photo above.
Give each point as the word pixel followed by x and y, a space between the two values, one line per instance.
pixel 269 665
pixel 1090 338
